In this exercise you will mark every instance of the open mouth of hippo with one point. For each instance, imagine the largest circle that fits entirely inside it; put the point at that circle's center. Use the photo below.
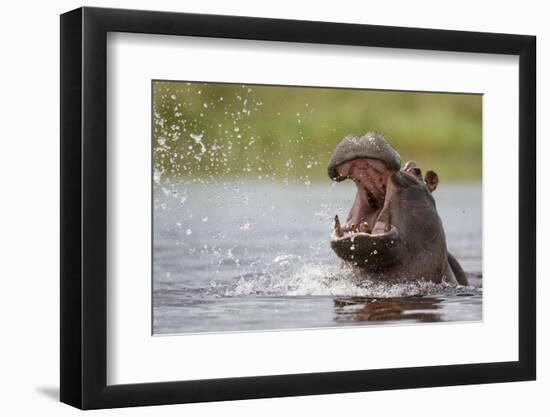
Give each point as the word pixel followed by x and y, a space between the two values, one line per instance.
pixel 369 213
pixel 367 237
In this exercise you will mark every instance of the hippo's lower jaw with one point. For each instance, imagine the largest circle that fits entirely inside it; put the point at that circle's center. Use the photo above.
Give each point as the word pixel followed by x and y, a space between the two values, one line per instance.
pixel 371 252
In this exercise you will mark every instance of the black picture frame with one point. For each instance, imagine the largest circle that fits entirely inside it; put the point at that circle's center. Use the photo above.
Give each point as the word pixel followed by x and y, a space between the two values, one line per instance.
pixel 84 207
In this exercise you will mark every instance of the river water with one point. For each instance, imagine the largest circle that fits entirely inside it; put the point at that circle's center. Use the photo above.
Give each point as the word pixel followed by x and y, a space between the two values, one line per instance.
pixel 253 255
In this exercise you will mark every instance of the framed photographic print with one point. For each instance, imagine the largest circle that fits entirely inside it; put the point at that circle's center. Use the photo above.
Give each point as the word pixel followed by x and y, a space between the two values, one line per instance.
pixel 257 207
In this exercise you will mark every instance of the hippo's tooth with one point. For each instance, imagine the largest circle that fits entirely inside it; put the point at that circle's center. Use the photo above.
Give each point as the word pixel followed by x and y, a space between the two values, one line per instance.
pixel 365 227
pixel 353 228
pixel 337 228
pixel 388 223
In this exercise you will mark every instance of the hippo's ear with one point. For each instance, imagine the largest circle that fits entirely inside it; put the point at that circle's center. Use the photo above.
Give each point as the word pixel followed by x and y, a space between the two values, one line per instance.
pixel 431 179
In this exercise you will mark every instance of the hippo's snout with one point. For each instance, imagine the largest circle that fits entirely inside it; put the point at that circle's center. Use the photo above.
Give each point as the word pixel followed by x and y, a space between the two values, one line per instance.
pixel 371 146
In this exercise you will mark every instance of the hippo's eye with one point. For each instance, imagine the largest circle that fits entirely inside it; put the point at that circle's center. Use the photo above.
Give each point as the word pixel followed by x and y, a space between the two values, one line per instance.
pixel 413 171
pixel 417 172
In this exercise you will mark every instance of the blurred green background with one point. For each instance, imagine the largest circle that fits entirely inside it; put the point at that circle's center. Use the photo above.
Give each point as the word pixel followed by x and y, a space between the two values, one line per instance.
pixel 208 130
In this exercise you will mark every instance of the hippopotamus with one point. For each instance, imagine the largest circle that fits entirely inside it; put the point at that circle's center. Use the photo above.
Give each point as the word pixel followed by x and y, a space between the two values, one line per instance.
pixel 393 232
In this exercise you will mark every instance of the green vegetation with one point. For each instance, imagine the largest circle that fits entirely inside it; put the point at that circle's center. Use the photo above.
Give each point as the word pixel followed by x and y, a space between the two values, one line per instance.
pixel 211 130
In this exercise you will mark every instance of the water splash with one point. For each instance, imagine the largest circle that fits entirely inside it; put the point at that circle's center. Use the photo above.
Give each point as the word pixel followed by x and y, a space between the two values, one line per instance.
pixel 289 276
